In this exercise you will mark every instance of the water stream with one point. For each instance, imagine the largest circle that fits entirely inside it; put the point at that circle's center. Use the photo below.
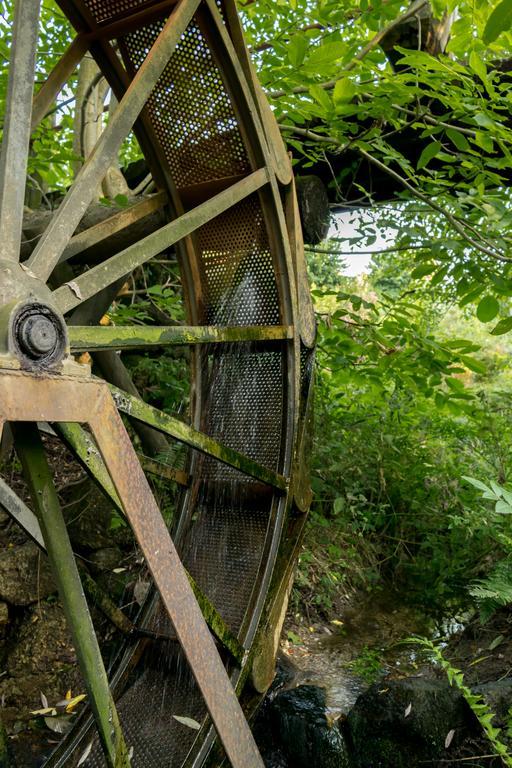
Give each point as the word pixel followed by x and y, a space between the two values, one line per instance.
pixel 364 646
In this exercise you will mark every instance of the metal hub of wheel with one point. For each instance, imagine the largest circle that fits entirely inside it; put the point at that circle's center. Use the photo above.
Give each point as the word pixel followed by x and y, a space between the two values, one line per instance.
pixel 185 85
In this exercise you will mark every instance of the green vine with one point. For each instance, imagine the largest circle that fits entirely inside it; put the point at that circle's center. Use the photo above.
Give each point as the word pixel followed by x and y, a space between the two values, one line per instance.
pixel 480 709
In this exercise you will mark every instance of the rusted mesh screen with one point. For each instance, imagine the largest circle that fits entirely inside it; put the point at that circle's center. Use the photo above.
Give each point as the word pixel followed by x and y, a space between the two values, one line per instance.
pixel 108 10
pixel 243 390
pixel 191 112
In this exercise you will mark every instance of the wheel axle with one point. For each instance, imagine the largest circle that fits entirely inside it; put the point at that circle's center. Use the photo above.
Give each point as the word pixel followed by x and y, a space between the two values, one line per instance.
pixel 38 336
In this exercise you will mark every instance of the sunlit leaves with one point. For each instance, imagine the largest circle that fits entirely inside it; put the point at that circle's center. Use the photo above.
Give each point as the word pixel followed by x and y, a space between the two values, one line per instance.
pixel 487 309
pixel 499 21
pixel 296 49
pixel 325 56
pixel 504 326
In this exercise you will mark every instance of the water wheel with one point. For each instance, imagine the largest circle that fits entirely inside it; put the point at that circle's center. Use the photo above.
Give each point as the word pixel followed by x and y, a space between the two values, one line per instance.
pixel 207 633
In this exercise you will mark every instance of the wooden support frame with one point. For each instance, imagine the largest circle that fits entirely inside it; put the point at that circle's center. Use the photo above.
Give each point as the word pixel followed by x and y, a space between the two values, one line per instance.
pixel 173 427
pixel 57 78
pixel 95 338
pixel 28 398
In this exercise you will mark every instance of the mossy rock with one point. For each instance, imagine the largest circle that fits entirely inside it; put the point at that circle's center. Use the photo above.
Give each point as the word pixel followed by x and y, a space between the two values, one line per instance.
pixel 405 724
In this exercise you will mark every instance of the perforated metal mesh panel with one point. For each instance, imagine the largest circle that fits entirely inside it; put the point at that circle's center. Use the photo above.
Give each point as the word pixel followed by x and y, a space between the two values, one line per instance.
pixel 244 407
pixel 244 387
pixel 240 283
pixel 190 110
pixel 165 688
pixel 108 10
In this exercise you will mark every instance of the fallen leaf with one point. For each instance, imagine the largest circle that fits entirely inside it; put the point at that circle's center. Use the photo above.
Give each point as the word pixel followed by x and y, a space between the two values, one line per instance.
pixel 188 721
pixel 85 755
pixel 58 724
pixel 44 700
pixel 46 711
pixel 140 590
pixel 449 738
pixel 497 641
pixel 74 701
pixel 75 288
pixel 408 711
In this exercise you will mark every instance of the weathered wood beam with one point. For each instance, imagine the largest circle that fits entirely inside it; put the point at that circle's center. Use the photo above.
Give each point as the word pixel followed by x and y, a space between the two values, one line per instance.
pixel 96 338
pixel 89 283
pixel 173 427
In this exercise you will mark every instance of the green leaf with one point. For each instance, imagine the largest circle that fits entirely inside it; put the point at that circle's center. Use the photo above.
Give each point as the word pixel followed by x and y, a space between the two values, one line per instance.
pixel 471 296
pixel 499 21
pixel 121 200
pixel 297 48
pixel 321 96
pixel 476 483
pixel 478 66
pixel 344 90
pixel 487 309
pixel 474 365
pixel 503 508
pixel 458 139
pixel 504 326
pixel 439 276
pixel 422 270
pixel 328 53
pixel 428 153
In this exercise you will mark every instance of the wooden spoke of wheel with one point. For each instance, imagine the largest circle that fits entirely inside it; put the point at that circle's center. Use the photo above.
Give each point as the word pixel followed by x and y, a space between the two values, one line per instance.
pixel 58 77
pixel 173 427
pixel 99 338
pixel 26 519
pixel 70 295
pixel 86 451
pixel 48 251
pixel 19 511
pixel 159 469
pixel 16 131
pixel 119 221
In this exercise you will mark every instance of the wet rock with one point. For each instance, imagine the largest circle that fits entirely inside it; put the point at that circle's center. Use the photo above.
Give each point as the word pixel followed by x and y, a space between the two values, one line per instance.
pixel 42 660
pixel 25 575
pixel 405 723
pixel 293 731
pixel 105 559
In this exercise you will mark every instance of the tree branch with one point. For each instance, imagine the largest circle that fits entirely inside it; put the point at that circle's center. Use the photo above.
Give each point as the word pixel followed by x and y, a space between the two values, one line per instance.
pixel 432 120
pixel 461 227
pixel 456 224
pixel 373 43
